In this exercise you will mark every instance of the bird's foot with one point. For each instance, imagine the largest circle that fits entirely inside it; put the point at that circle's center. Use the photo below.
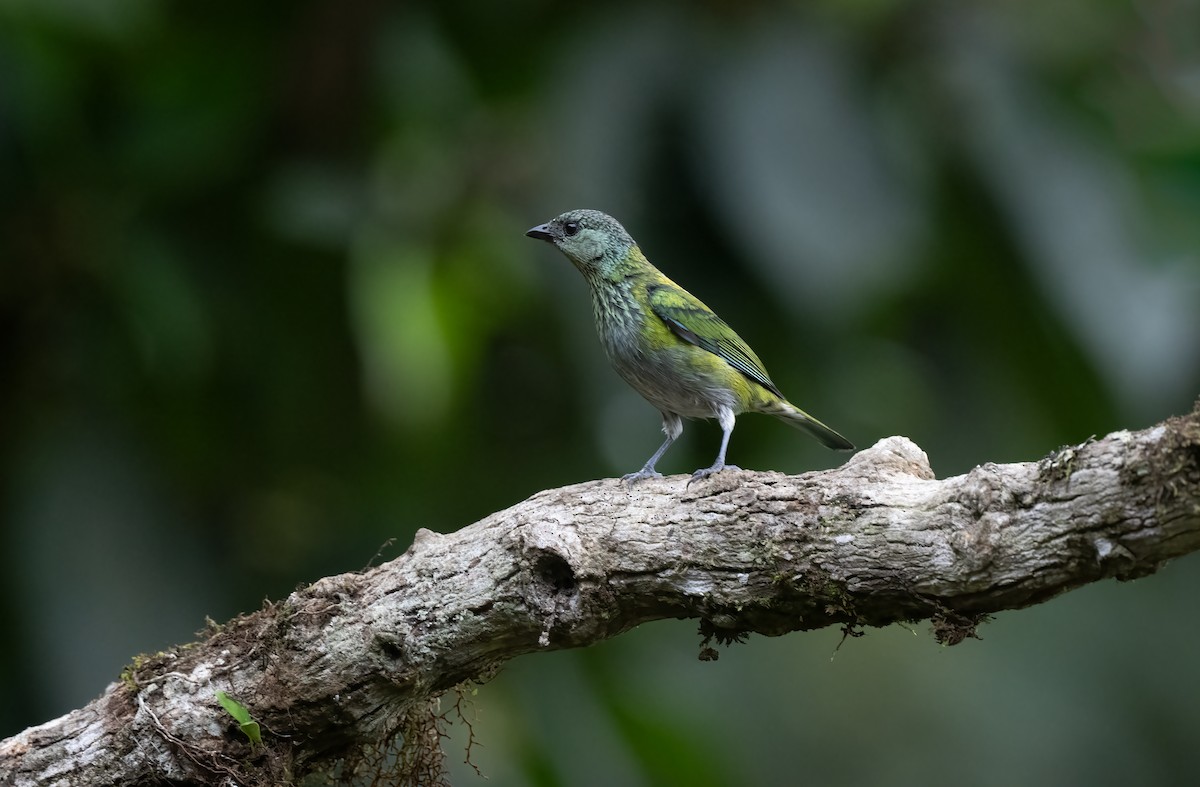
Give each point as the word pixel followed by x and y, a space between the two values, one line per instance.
pixel 645 472
pixel 705 472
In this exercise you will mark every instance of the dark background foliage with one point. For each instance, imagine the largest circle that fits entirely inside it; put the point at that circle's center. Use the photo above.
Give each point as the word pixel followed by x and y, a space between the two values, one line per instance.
pixel 265 303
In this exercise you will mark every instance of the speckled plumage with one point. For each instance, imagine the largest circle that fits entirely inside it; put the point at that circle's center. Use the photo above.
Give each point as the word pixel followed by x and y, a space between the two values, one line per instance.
pixel 670 347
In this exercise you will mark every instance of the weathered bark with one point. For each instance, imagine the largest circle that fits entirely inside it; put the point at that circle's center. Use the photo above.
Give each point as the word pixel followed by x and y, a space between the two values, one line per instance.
pixel 352 660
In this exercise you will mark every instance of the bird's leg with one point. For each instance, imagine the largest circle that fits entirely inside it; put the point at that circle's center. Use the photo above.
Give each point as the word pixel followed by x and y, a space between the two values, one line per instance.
pixel 672 428
pixel 725 418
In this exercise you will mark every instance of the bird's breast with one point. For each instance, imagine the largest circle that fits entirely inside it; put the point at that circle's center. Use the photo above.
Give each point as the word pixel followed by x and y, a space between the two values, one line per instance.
pixel 673 375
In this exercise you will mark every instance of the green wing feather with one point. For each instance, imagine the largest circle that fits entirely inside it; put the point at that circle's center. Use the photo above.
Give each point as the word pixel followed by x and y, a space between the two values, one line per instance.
pixel 690 320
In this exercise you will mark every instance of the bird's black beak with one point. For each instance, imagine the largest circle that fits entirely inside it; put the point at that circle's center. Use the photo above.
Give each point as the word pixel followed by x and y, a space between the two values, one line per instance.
pixel 541 232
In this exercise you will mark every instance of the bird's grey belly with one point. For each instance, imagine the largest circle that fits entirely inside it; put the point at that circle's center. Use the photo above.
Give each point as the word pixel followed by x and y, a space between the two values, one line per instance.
pixel 670 383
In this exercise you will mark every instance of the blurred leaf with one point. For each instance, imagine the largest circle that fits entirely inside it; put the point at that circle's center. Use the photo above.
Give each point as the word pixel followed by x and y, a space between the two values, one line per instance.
pixel 1072 206
pixel 406 359
pixel 793 162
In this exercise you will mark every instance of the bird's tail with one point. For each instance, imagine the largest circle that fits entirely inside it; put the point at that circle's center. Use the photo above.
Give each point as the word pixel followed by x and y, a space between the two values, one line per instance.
pixel 792 415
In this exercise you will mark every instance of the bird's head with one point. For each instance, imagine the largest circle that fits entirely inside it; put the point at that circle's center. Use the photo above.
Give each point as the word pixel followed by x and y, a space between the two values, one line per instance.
pixel 595 242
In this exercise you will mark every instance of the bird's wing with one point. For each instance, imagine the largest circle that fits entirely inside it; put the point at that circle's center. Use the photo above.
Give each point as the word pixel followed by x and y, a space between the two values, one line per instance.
pixel 695 323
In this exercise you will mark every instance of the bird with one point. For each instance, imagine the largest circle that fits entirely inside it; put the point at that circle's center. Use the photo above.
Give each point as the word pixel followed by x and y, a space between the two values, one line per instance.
pixel 666 344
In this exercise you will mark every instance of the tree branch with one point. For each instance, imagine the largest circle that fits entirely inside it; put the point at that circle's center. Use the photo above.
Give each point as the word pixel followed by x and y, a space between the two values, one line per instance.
pixel 342 667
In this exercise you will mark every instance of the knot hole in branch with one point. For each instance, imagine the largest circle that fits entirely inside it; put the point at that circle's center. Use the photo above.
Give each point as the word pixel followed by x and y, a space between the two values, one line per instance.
pixel 553 569
pixel 554 584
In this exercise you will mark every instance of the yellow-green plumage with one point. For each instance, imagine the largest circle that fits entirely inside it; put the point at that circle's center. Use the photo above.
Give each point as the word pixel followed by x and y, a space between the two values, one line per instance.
pixel 664 342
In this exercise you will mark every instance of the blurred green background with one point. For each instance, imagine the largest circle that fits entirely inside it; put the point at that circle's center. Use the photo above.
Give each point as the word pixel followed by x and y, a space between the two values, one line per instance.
pixel 265 302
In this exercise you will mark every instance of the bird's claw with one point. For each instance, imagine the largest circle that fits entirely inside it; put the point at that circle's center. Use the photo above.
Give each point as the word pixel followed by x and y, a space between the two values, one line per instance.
pixel 705 472
pixel 644 473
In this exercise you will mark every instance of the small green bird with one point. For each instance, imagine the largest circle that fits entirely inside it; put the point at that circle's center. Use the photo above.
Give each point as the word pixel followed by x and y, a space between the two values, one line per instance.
pixel 665 343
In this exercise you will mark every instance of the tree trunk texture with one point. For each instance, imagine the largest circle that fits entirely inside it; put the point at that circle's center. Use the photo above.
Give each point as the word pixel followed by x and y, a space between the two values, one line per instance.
pixel 349 666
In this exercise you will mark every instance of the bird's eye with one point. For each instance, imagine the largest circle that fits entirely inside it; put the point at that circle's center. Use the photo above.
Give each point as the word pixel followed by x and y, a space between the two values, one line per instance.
pixel 570 228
